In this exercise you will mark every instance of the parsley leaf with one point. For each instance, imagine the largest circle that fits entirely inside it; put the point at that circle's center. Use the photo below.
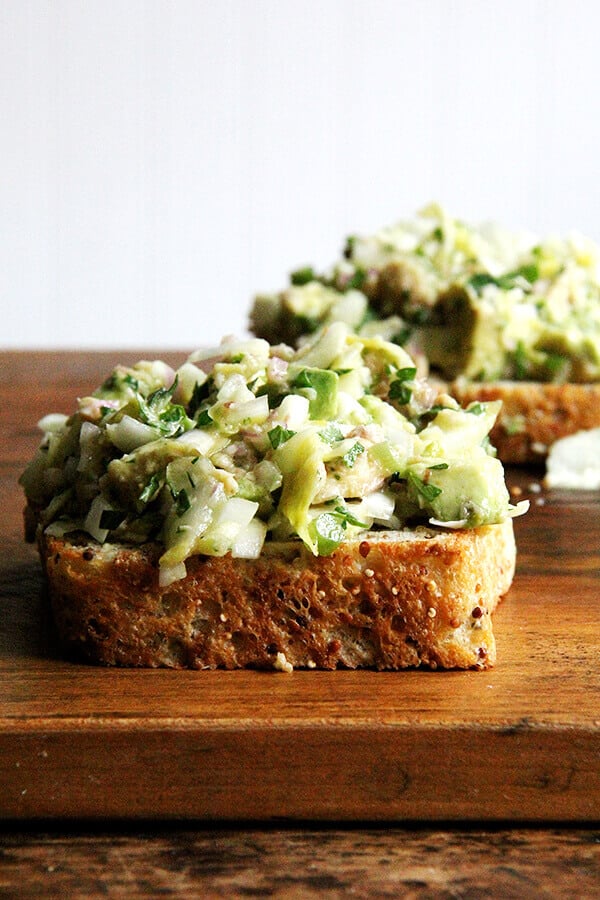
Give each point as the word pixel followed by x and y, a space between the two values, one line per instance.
pixel 351 455
pixel 181 500
pixel 152 488
pixel 428 491
pixel 199 395
pixel 348 518
pixel 399 389
pixel 204 418
pixel 476 408
pixel 357 280
pixel 279 436
pixel 302 276
pixel 329 533
pixel 529 273
pixel 330 529
pixel 402 336
pixel 520 360
pixel 158 411
pixel 331 434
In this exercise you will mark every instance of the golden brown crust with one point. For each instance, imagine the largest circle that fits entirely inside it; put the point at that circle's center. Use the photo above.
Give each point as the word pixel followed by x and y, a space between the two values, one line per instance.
pixel 533 415
pixel 390 601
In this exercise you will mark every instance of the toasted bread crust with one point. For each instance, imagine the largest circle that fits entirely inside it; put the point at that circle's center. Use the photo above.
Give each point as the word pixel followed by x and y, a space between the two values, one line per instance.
pixel 390 601
pixel 534 415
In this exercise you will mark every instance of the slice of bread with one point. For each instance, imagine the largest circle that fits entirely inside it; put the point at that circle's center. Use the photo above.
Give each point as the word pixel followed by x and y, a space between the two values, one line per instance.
pixel 534 414
pixel 391 600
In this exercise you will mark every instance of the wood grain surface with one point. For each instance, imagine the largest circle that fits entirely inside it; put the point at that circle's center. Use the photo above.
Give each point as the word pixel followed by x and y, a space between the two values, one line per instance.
pixel 415 863
pixel 520 742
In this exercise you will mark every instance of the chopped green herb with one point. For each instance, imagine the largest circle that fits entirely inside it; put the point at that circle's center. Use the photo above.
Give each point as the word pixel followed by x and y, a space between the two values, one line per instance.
pixel 182 501
pixel 152 488
pixel 520 361
pixel 279 435
pixel 303 379
pixel 302 276
pixel 476 408
pixel 158 398
pixel 131 381
pixel 427 491
pixel 110 383
pixel 357 280
pixel 329 533
pixel 399 389
pixel 481 280
pixel 529 273
pixel 402 336
pixel 157 410
pixel 199 395
pixel 352 454
pixel 274 393
pixel 307 324
pixel 330 528
pixel 554 362
pixel 203 418
pixel 437 467
pixel 331 434
pixel 348 518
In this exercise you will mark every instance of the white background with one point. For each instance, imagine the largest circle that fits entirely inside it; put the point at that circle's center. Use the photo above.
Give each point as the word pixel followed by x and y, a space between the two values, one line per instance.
pixel 160 162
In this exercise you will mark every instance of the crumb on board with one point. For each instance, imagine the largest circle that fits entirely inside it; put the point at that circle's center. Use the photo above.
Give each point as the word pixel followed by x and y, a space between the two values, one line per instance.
pixel 282 664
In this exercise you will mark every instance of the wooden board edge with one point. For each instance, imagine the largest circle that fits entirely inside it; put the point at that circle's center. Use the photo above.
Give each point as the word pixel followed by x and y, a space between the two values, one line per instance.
pixel 317 773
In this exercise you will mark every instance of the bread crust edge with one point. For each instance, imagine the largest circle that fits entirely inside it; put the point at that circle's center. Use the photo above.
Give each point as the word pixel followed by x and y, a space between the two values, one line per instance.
pixel 422 597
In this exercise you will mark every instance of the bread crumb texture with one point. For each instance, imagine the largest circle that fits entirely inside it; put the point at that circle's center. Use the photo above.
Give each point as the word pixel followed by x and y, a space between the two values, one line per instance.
pixel 392 600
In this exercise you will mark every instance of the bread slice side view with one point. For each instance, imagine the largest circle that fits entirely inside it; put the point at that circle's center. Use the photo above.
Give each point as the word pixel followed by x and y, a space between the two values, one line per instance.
pixel 391 600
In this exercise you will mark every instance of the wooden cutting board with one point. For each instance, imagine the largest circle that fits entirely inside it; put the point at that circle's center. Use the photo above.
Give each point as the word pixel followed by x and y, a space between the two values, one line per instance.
pixel 519 742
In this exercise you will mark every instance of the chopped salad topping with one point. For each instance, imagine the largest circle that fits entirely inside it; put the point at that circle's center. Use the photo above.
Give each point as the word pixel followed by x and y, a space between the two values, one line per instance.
pixel 247 442
pixel 478 302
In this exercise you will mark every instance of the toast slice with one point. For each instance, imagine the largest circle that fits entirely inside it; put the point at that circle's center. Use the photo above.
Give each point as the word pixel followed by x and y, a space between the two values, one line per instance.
pixel 391 600
pixel 315 508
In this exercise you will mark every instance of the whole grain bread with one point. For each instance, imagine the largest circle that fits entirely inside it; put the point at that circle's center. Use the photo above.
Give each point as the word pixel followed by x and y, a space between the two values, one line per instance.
pixel 534 414
pixel 421 597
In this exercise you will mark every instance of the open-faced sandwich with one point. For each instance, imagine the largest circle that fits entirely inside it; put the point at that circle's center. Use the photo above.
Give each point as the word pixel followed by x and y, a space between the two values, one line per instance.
pixel 496 315
pixel 269 507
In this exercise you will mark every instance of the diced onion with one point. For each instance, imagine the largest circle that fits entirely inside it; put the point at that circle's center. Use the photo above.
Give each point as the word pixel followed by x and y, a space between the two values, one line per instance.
pixel 53 422
pixel 250 540
pixel 87 437
pixel 200 440
pixel 168 574
pixel 92 520
pixel 129 434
